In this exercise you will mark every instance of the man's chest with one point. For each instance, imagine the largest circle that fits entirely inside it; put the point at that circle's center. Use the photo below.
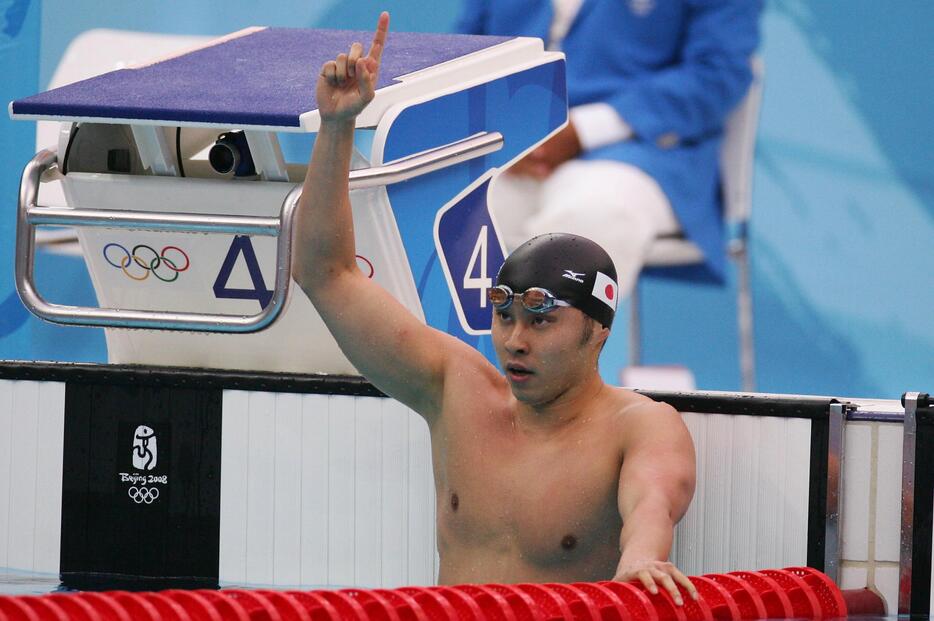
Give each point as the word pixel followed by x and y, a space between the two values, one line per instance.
pixel 547 501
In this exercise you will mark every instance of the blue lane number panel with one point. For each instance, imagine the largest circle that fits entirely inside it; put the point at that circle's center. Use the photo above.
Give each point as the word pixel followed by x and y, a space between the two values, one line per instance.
pixel 470 253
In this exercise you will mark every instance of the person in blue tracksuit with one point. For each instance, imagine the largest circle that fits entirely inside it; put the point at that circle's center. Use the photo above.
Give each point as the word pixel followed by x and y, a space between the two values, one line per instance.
pixel 650 83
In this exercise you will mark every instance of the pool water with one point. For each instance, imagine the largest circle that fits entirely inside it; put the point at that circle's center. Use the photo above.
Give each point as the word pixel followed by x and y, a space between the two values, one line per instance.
pixel 28 583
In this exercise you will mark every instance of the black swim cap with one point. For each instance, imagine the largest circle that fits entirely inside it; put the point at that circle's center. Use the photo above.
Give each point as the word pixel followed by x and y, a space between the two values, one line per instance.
pixel 574 268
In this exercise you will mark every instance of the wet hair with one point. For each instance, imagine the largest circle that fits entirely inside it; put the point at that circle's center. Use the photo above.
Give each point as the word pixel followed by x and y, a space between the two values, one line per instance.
pixel 574 268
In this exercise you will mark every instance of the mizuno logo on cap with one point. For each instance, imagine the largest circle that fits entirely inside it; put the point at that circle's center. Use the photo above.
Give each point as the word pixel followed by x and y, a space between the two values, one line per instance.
pixel 572 275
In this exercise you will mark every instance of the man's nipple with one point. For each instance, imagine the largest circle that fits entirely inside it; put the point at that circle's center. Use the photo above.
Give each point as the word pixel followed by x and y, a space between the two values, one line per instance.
pixel 455 502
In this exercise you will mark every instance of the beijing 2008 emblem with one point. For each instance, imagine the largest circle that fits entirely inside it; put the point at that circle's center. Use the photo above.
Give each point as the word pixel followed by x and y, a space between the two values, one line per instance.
pixel 145 485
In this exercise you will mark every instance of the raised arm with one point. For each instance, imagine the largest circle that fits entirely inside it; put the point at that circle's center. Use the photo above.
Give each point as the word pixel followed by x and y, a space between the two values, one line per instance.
pixel 656 485
pixel 393 349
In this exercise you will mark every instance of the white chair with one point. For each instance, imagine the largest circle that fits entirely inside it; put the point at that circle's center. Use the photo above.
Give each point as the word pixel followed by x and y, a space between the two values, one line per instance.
pixel 736 165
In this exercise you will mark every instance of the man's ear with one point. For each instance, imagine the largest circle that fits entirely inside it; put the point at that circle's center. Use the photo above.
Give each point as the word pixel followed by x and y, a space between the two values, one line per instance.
pixel 600 334
pixel 603 333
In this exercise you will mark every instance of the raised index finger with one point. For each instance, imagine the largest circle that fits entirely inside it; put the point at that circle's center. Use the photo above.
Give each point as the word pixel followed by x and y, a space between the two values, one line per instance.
pixel 379 37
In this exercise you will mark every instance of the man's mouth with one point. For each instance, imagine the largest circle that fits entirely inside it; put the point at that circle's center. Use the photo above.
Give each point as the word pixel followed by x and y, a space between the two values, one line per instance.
pixel 518 372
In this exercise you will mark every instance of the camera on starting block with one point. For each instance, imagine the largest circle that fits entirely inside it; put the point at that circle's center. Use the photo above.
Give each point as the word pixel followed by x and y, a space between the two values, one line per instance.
pixel 231 153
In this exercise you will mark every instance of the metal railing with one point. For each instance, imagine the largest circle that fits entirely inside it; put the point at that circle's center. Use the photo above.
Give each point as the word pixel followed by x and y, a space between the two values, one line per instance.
pixel 30 215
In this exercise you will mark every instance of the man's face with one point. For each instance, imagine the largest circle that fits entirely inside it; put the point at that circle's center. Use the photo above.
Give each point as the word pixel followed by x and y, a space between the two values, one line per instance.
pixel 543 354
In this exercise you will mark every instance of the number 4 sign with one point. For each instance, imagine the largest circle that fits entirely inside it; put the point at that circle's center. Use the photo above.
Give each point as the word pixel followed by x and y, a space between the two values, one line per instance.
pixel 471 254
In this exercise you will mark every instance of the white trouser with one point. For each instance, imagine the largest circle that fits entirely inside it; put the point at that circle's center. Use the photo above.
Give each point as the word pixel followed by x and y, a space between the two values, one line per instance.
pixel 615 204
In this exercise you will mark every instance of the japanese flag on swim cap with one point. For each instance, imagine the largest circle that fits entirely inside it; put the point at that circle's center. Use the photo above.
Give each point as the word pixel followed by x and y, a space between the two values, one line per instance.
pixel 604 289
pixel 574 268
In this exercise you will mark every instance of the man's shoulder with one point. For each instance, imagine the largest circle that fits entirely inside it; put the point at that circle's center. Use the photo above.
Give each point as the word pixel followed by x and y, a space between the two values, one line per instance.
pixel 636 416
pixel 630 404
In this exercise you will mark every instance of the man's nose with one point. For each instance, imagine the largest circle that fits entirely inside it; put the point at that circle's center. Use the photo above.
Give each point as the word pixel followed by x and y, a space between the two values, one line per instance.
pixel 516 343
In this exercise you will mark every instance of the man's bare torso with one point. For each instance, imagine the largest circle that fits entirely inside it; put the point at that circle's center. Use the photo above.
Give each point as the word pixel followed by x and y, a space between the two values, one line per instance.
pixel 524 493
pixel 522 504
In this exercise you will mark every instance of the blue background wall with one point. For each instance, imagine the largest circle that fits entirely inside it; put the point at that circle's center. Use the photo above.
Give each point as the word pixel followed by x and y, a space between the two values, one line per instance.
pixel 19 64
pixel 843 219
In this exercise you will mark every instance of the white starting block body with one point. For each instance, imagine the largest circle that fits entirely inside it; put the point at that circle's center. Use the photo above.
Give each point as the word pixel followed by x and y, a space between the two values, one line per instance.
pixel 450 112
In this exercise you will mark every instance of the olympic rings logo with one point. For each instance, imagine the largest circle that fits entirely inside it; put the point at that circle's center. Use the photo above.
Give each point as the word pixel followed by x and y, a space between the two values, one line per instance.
pixel 143 494
pixel 159 264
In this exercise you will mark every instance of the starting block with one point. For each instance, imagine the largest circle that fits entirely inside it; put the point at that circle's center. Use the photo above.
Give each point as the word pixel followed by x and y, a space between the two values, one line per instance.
pixel 175 180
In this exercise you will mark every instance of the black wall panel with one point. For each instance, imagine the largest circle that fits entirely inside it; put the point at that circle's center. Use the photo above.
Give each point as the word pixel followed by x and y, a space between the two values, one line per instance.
pixel 155 516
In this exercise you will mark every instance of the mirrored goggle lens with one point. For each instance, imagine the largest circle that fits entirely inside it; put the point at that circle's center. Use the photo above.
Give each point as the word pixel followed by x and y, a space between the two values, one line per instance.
pixel 499 296
pixel 536 300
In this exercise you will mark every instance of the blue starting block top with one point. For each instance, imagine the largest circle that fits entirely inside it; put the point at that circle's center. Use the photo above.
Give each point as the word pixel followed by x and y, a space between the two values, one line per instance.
pixel 257 78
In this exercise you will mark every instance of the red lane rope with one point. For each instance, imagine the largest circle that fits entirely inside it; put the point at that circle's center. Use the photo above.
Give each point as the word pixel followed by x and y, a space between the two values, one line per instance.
pixel 747 599
pixel 376 606
pixel 609 606
pixel 777 604
pixel 435 605
pixel 229 606
pixel 803 600
pixel 721 603
pixel 550 604
pixel 827 593
pixel 466 607
pixel 319 608
pixel 636 601
pixel 798 592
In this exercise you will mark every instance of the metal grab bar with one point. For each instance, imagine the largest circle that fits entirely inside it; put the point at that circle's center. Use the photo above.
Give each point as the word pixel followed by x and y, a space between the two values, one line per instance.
pixel 424 162
pixel 30 215
pixel 149 221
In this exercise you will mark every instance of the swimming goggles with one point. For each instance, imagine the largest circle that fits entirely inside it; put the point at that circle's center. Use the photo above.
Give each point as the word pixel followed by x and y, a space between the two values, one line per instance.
pixel 534 299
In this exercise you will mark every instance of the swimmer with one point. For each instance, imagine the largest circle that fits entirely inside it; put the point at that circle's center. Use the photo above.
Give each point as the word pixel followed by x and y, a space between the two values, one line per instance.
pixel 545 474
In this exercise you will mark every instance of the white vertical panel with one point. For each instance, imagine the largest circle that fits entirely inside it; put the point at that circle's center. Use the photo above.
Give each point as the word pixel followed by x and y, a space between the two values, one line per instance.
pixel 771 518
pixel 796 492
pixel 421 508
pixel 23 431
pixel 261 479
pixel 744 493
pixel 288 489
pixel 688 549
pixel 717 486
pixel 6 466
pixel 341 493
pixel 49 476
pixel 750 507
pixel 395 528
pixel 889 492
pixel 368 493
pixel 330 490
pixel 315 457
pixel 857 476
pixel 235 437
